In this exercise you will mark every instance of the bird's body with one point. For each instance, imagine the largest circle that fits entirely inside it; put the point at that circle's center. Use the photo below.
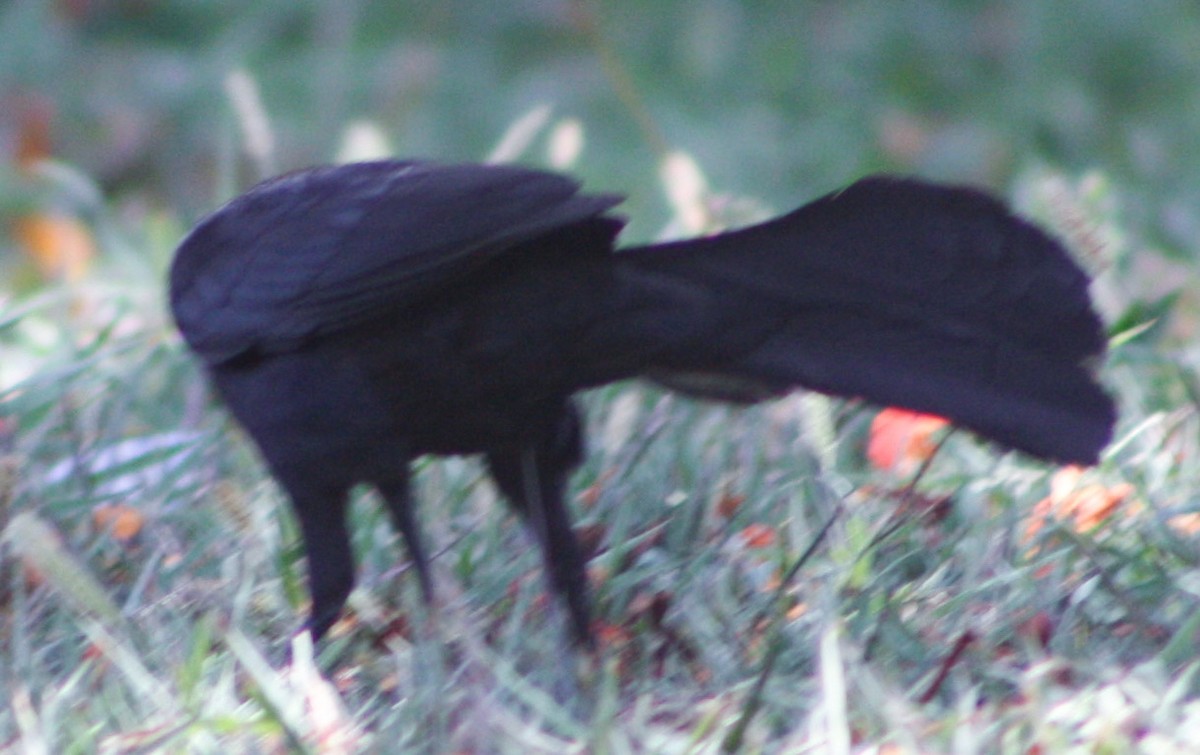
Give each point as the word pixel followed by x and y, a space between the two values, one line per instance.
pixel 357 317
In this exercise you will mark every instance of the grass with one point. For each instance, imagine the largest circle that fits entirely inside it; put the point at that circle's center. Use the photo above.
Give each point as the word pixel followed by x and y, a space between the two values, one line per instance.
pixel 928 614
pixel 174 638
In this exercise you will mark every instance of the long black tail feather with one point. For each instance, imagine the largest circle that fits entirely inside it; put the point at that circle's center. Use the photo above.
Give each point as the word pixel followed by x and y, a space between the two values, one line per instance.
pixel 903 293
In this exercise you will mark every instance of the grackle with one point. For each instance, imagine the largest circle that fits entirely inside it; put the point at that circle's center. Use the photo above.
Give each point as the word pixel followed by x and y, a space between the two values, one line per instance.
pixel 356 317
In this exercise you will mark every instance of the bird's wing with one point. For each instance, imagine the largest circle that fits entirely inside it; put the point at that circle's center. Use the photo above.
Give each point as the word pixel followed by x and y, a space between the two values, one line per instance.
pixel 322 249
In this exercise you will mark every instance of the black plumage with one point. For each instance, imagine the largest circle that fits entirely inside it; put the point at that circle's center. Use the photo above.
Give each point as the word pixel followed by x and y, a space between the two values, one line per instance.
pixel 356 317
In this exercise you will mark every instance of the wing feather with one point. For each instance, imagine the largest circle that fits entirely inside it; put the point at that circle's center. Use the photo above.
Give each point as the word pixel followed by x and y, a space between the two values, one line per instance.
pixel 322 249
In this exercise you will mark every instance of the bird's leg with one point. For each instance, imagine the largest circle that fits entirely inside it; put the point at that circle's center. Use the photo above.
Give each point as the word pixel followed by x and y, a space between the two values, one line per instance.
pixel 398 496
pixel 327 550
pixel 534 483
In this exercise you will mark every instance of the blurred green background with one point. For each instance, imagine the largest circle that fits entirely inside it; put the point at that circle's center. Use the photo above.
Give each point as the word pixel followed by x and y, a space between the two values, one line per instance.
pixel 775 99
pixel 1086 113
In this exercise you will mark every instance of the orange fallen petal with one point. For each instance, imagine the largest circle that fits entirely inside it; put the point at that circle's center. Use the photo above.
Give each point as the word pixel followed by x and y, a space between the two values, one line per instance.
pixel 609 635
pixel 1093 504
pixel 1086 506
pixel 1037 518
pixel 901 439
pixel 122 521
pixel 758 536
pixel 729 503
pixel 35 117
pixel 60 245
pixel 1185 524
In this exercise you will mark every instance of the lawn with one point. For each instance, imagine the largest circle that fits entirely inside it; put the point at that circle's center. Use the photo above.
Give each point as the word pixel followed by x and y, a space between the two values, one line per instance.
pixel 765 579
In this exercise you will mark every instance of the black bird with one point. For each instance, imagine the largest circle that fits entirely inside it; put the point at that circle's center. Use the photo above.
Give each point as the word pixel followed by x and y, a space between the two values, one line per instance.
pixel 358 316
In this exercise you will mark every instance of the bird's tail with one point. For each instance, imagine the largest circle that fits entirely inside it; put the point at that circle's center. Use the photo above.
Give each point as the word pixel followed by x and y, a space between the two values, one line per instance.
pixel 903 293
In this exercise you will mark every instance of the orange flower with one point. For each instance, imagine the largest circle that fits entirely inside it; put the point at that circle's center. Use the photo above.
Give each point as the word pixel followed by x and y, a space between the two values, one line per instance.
pixel 901 440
